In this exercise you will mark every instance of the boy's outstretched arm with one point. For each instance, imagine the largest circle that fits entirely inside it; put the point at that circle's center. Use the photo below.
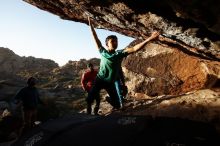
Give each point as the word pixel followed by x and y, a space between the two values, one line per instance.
pixel 140 45
pixel 97 41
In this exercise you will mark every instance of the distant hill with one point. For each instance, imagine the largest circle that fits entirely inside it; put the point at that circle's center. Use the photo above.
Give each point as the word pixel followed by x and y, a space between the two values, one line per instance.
pixel 12 64
pixel 58 86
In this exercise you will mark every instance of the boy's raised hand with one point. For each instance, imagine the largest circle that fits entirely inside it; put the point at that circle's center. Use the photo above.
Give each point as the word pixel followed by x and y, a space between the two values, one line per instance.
pixel 154 34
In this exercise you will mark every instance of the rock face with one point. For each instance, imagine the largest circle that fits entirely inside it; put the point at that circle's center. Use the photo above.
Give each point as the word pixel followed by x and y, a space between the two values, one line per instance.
pixel 158 69
pixel 194 23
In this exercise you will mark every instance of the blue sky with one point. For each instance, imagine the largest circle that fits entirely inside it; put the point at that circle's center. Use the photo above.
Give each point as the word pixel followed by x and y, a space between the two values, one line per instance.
pixel 29 31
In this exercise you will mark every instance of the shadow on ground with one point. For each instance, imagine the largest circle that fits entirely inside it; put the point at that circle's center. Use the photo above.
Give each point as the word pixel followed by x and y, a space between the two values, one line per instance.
pixel 84 130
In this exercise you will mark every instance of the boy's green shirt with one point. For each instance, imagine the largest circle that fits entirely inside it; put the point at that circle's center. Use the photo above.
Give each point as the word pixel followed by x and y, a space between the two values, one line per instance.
pixel 110 64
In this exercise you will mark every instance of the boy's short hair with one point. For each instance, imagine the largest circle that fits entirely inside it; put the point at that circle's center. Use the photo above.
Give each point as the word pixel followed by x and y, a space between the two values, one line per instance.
pixel 110 37
pixel 89 65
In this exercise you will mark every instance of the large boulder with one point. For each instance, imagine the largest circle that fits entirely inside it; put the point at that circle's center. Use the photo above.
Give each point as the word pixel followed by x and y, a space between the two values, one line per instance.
pixel 158 69
pixel 194 22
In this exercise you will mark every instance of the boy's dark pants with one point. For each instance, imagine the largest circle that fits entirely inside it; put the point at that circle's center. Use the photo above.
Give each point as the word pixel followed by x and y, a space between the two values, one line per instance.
pixel 94 94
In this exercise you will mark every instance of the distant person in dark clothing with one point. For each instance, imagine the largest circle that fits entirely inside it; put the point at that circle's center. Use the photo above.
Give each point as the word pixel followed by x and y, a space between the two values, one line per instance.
pixel 29 97
pixel 87 82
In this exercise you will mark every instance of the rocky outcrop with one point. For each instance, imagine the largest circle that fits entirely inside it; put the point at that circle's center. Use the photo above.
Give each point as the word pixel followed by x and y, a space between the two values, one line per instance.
pixel 14 65
pixel 76 68
pixel 194 23
pixel 158 69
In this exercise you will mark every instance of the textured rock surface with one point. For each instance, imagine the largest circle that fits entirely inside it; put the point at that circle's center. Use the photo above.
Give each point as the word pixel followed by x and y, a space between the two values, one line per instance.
pixel 201 105
pixel 158 69
pixel 194 23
